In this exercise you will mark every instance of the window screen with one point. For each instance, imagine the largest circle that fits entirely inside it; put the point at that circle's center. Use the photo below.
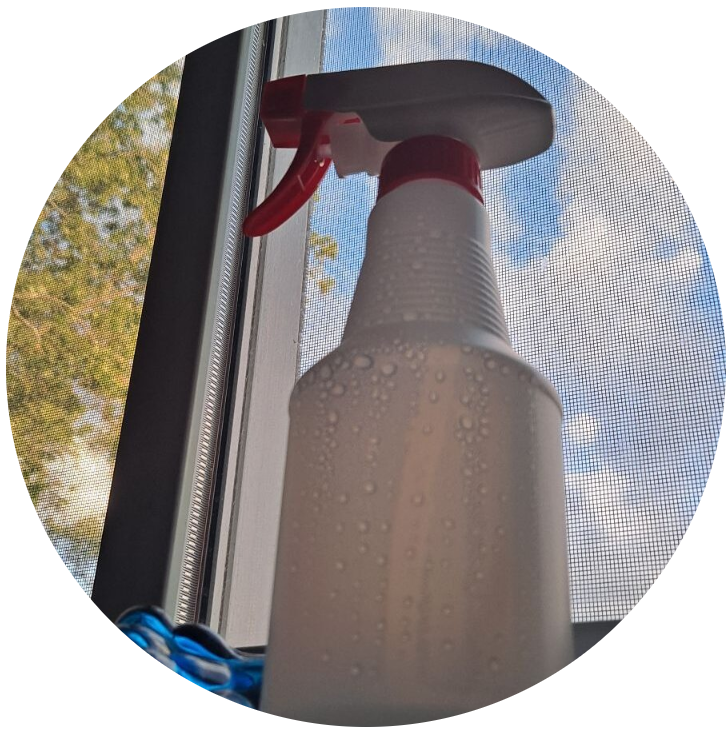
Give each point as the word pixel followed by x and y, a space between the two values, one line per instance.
pixel 75 315
pixel 607 290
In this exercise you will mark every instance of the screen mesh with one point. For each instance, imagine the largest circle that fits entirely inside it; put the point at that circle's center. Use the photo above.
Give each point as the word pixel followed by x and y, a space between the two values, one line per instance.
pixel 607 290
pixel 75 316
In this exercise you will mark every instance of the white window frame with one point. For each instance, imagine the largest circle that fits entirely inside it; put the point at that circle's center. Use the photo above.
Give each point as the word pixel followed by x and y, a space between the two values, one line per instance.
pixel 241 584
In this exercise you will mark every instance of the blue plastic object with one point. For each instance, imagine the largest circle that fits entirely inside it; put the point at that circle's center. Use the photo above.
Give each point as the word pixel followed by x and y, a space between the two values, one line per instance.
pixel 196 653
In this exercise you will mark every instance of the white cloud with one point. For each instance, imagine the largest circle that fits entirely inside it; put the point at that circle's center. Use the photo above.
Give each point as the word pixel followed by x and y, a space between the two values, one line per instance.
pixel 614 555
pixel 612 321
pixel 604 312
pixel 75 503
pixel 582 429
pixel 431 37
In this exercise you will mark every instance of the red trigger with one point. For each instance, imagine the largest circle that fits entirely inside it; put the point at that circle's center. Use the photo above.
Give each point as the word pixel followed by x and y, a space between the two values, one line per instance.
pixel 298 184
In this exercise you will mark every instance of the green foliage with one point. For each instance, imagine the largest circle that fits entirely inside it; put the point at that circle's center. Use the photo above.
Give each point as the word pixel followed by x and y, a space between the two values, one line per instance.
pixel 77 302
pixel 322 248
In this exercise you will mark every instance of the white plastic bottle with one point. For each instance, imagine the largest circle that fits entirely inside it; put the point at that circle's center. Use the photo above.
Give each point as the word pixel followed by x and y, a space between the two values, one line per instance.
pixel 422 566
pixel 422 560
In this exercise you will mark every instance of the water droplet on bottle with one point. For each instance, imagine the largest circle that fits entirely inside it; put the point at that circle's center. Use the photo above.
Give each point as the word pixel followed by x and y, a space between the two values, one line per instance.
pixel 447 645
pixel 494 664
pixel 505 370
pixel 370 487
pixel 356 637
pixel 465 422
pixel 389 369
pixel 449 524
pixel 490 363
pixel 355 670
pixel 384 527
pixel 363 526
pixel 500 531
pixel 409 316
pixel 447 610
pixel 332 417
pixel 440 376
pixel 418 499
pixel 467 349
pixel 381 560
pixel 363 548
pixel 427 429
pixel 340 565
pixel 407 602
pixel 433 396
pixel 293 568
pixel 339 528
pixel 338 390
pixel 343 498
pixel 410 553
pixel 325 657
pixel 362 361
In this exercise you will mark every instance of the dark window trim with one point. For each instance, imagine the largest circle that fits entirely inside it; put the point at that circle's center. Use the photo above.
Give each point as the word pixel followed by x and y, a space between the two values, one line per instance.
pixel 138 540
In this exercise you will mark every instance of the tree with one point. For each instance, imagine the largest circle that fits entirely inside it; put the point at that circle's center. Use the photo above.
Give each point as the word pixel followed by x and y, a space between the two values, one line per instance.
pixel 78 297
pixel 321 248
pixel 76 309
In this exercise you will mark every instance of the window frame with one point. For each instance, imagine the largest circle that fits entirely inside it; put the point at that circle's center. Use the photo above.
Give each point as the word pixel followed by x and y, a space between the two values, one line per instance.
pixel 157 519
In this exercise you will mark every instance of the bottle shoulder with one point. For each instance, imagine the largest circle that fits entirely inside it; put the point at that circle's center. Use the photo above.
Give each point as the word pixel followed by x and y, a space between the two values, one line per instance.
pixel 383 356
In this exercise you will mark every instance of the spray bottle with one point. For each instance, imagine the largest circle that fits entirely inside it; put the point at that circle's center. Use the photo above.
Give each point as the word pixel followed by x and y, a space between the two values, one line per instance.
pixel 422 557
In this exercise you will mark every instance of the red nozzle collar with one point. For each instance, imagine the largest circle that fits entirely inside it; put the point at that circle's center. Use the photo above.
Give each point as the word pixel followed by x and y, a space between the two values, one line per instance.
pixel 431 157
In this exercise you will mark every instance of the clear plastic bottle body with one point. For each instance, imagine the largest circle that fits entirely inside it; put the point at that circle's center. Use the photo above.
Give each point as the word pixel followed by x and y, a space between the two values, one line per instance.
pixel 421 568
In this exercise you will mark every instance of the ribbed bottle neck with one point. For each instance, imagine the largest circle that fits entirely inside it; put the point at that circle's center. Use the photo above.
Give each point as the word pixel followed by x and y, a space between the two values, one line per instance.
pixel 427 261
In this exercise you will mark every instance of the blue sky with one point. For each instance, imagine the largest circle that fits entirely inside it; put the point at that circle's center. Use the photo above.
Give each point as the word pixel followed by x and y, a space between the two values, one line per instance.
pixel 607 290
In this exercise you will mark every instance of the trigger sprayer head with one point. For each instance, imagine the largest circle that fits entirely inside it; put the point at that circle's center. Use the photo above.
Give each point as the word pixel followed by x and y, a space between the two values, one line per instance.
pixel 355 118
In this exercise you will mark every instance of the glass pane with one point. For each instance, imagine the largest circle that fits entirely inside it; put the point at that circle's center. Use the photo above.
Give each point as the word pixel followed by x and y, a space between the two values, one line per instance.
pixel 607 290
pixel 75 316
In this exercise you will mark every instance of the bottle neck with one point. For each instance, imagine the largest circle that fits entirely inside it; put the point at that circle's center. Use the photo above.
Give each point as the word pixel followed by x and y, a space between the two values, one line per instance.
pixel 427 261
